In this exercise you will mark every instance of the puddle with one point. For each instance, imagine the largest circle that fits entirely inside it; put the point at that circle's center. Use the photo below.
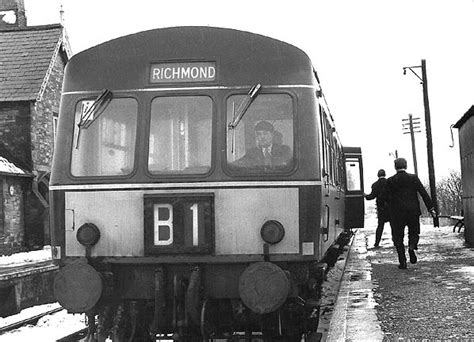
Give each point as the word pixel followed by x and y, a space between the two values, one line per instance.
pixel 360 299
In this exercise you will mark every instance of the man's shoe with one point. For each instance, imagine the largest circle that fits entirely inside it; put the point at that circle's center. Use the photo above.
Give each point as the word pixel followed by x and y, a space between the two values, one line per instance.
pixel 413 258
pixel 376 245
pixel 403 266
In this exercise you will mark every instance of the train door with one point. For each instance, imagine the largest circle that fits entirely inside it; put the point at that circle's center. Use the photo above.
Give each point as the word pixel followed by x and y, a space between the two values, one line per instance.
pixel 354 208
pixel 332 202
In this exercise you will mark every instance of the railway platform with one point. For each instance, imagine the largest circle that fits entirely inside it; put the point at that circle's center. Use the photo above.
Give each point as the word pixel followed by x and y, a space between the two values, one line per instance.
pixel 24 284
pixel 432 300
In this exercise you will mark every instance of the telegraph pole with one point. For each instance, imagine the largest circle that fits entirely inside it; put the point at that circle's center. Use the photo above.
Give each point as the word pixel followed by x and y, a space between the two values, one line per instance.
pixel 429 141
pixel 409 128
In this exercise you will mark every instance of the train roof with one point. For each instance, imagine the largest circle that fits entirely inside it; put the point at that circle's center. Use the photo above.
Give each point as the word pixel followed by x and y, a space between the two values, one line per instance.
pixel 241 58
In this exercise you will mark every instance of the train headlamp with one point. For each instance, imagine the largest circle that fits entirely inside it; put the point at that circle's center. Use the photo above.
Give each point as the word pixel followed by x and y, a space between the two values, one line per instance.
pixel 272 232
pixel 88 234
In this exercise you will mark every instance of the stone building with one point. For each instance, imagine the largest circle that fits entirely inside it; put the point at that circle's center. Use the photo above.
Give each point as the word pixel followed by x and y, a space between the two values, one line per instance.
pixel 32 61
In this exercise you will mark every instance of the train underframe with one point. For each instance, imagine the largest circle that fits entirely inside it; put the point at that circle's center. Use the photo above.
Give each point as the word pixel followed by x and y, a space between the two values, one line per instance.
pixel 181 310
pixel 186 302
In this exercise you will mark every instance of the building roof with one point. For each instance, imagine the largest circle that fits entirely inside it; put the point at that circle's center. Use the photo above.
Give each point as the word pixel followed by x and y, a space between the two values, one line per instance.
pixel 25 57
pixel 9 168
pixel 464 118
pixel 9 165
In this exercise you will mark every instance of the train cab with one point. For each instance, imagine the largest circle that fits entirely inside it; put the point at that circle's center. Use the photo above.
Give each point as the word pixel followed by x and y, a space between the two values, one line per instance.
pixel 198 168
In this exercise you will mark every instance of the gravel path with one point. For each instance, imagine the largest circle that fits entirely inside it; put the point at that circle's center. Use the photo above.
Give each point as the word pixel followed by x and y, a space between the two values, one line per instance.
pixel 432 299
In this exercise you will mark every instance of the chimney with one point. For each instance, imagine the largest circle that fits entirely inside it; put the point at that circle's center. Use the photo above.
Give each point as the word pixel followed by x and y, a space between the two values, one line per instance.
pixel 12 14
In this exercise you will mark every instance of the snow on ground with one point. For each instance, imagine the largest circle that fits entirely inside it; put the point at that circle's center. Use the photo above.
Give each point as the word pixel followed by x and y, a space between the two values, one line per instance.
pixel 428 235
pixel 56 326
pixel 26 257
pixel 26 313
pixel 49 328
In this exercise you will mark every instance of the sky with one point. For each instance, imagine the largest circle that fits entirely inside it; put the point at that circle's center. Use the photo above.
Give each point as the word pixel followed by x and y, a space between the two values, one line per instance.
pixel 359 49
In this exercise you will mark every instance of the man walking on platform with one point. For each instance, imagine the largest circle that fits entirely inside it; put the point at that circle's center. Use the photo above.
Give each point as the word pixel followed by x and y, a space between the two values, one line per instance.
pixel 378 192
pixel 402 193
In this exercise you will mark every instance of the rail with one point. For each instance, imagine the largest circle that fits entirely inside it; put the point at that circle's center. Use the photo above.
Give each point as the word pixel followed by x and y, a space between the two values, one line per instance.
pixel 76 336
pixel 30 320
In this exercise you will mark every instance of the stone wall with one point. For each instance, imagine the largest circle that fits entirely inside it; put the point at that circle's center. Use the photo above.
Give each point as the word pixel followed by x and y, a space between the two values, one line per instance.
pixel 12 232
pixel 17 8
pixel 15 122
pixel 42 144
pixel 26 130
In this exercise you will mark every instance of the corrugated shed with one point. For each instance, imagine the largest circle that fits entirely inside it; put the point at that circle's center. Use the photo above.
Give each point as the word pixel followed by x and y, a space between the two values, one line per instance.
pixel 25 56
pixel 465 117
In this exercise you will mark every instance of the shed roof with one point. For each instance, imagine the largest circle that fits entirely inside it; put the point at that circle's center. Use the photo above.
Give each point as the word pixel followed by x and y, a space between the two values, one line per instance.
pixel 9 168
pixel 464 118
pixel 9 165
pixel 25 56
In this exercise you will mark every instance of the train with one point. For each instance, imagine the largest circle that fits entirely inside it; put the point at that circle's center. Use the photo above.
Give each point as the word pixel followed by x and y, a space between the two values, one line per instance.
pixel 198 187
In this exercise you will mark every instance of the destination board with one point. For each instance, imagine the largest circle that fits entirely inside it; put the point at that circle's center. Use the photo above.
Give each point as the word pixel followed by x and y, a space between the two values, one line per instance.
pixel 183 72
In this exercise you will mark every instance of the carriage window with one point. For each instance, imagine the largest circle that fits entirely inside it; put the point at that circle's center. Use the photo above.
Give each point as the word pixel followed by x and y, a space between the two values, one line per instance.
pixel 353 179
pixel 107 146
pixel 263 140
pixel 180 135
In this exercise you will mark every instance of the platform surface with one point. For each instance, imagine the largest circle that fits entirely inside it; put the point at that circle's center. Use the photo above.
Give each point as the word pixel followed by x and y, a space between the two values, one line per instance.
pixel 431 300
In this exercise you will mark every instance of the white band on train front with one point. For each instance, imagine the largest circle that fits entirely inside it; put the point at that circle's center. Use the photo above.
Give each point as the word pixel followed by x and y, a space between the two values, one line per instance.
pixel 114 186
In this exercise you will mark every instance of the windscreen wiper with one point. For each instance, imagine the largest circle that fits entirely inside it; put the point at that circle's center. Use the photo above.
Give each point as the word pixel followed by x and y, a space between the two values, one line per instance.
pixel 239 114
pixel 93 112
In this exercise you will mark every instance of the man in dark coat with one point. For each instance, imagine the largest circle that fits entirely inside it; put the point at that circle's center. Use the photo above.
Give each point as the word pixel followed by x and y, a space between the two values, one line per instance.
pixel 378 192
pixel 267 153
pixel 402 193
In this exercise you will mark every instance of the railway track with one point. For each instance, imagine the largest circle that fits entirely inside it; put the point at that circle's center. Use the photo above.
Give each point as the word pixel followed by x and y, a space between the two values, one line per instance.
pixel 30 320
pixel 76 336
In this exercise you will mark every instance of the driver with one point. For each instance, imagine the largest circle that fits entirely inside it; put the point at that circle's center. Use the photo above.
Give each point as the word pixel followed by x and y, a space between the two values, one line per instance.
pixel 266 152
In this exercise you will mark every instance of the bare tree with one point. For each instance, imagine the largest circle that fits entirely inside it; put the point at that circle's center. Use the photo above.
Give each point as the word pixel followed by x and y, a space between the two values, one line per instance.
pixel 449 193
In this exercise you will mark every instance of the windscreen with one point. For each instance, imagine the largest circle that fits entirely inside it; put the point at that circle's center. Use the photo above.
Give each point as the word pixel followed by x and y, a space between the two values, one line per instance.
pixel 104 145
pixel 263 140
pixel 180 137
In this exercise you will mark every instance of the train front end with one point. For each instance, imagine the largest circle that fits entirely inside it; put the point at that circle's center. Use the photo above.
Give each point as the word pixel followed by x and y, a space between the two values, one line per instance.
pixel 168 216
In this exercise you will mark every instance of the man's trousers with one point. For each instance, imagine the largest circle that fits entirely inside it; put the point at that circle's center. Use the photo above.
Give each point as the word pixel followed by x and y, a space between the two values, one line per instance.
pixel 398 222
pixel 381 219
